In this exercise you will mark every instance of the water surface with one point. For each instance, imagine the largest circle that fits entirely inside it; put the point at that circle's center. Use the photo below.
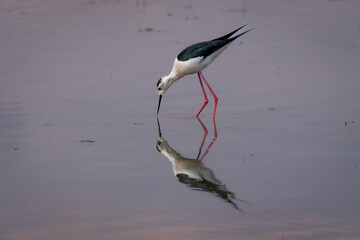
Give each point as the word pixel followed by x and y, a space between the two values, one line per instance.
pixel 81 155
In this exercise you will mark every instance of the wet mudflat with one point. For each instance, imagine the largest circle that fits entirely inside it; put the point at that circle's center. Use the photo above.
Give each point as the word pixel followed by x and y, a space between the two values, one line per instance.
pixel 83 156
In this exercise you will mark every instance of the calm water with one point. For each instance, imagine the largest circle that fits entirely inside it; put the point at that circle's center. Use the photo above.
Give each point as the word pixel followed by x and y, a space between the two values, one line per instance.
pixel 83 156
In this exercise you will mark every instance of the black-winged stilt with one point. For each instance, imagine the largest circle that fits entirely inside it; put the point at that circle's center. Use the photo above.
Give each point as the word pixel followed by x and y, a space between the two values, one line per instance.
pixel 194 59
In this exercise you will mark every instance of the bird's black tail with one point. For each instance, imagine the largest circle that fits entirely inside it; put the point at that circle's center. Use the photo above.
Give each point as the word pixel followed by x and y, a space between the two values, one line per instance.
pixel 229 34
pixel 236 36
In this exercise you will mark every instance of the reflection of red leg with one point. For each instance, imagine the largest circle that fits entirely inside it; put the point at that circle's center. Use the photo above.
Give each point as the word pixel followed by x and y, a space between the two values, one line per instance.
pixel 206 99
pixel 204 137
pixel 212 92
pixel 203 141
pixel 215 131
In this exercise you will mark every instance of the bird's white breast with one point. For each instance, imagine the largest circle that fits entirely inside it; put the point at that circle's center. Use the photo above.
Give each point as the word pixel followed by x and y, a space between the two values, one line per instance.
pixel 191 66
pixel 194 65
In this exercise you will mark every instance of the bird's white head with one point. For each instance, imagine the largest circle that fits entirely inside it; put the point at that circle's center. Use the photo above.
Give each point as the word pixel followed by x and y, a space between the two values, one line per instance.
pixel 162 85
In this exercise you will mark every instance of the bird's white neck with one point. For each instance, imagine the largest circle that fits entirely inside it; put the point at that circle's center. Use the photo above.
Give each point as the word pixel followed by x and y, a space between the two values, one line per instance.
pixel 172 77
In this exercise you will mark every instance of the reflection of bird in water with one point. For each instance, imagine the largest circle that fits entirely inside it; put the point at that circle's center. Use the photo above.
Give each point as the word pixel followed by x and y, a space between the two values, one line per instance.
pixel 193 172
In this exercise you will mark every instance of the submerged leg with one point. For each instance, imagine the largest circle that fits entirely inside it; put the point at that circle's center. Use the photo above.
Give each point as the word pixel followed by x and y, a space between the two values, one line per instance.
pixel 206 99
pixel 212 92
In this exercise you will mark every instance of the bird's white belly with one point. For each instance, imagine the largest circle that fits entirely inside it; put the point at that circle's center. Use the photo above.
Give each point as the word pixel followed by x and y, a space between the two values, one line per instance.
pixel 190 66
pixel 194 65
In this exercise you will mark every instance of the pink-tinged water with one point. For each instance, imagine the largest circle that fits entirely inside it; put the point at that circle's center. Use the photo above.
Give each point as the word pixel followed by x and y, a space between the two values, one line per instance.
pixel 79 134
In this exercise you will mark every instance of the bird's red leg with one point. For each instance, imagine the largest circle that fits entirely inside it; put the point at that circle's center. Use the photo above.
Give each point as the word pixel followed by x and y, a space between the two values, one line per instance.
pixel 206 99
pixel 212 92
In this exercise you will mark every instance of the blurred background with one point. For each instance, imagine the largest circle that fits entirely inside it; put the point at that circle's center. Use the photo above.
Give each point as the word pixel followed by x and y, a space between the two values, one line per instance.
pixel 79 138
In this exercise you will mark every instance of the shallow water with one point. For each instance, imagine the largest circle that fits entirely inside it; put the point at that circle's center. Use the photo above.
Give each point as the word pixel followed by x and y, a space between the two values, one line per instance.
pixel 79 137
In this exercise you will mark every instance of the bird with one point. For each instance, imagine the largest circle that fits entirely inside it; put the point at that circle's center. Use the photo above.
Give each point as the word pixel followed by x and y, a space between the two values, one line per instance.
pixel 194 59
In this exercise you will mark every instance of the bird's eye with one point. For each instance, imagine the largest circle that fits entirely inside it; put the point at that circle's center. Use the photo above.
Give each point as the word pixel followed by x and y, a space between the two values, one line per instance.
pixel 158 83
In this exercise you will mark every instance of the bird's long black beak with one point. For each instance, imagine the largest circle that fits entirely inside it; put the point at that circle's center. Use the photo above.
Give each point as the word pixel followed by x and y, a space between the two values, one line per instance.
pixel 159 129
pixel 160 96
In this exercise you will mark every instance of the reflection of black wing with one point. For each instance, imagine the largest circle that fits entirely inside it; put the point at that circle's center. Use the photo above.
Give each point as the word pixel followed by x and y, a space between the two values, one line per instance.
pixel 204 185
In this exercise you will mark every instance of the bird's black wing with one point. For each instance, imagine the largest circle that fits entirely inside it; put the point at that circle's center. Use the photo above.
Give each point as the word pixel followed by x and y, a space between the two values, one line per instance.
pixel 202 49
